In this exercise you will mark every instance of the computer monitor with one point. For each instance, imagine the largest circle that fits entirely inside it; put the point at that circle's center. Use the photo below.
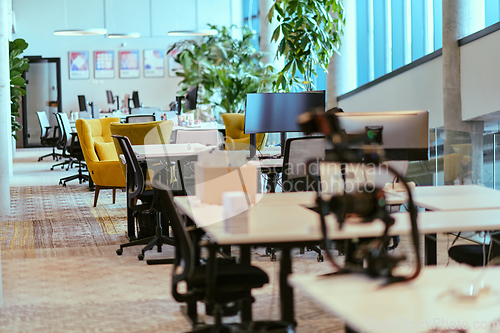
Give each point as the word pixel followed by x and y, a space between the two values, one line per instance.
pixel 109 96
pixel 404 134
pixel 112 99
pixel 191 97
pixel 82 103
pixel 135 99
pixel 278 112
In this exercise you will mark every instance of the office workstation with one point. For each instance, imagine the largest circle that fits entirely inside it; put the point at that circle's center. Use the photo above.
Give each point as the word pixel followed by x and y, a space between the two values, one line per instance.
pixel 164 187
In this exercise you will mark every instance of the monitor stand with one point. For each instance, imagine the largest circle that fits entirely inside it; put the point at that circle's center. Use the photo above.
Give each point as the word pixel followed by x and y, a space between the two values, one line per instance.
pixel 253 145
pixel 178 99
pixel 91 104
pixel 283 141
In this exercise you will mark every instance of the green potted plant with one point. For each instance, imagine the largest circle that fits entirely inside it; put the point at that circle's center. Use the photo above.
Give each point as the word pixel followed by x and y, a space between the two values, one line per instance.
pixel 224 68
pixel 308 33
pixel 17 66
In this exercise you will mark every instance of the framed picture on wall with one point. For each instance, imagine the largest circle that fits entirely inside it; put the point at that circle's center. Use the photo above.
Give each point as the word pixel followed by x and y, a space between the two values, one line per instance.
pixel 78 65
pixel 173 66
pixel 154 63
pixel 104 64
pixel 129 64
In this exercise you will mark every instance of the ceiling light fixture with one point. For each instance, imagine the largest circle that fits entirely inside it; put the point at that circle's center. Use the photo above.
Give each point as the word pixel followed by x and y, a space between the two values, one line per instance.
pixel 128 35
pixel 209 32
pixel 80 32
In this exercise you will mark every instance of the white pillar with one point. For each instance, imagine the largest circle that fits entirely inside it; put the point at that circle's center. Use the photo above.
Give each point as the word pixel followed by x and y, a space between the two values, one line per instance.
pixel 5 122
pixel 5 125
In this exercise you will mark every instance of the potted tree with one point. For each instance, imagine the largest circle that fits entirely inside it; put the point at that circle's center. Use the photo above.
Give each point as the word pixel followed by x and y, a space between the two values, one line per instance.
pixel 224 68
pixel 17 83
pixel 308 33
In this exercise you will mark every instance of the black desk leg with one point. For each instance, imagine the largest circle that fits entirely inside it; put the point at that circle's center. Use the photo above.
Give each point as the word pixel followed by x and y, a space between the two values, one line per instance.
pixel 271 181
pixel 286 292
pixel 348 329
pixel 430 249
pixel 246 305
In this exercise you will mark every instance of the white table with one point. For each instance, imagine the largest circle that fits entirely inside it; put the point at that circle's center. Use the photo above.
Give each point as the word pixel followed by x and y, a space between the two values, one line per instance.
pixel 170 150
pixel 459 197
pixel 219 127
pixel 416 306
pixel 451 198
pixel 280 221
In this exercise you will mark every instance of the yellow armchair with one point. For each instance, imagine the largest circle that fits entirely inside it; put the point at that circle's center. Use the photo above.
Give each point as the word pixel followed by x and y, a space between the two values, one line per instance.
pixel 154 132
pixel 104 168
pixel 236 139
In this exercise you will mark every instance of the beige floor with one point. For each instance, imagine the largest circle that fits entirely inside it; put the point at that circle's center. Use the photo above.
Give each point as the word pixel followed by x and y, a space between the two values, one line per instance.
pixel 108 293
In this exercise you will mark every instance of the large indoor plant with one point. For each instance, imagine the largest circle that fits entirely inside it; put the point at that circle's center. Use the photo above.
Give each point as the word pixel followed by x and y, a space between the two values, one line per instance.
pixel 224 68
pixel 308 32
pixel 17 66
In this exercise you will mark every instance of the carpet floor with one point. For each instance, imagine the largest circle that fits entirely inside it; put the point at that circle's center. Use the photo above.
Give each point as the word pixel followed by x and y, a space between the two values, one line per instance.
pixel 61 273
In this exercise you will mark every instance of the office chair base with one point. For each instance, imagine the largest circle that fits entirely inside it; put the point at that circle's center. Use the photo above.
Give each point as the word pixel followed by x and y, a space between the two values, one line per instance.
pixel 55 156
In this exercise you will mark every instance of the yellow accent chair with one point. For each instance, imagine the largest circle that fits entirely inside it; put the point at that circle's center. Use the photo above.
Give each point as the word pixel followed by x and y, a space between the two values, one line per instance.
pixel 153 132
pixel 100 154
pixel 236 139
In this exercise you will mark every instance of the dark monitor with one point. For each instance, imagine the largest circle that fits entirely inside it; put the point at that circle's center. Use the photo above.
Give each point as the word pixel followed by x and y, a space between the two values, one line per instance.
pixel 135 99
pixel 191 97
pixel 404 134
pixel 82 103
pixel 278 112
pixel 109 96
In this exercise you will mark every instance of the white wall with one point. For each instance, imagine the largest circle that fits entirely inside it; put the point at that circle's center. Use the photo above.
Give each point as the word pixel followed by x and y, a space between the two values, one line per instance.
pixel 422 86
pixel 480 76
pixel 417 89
pixel 36 21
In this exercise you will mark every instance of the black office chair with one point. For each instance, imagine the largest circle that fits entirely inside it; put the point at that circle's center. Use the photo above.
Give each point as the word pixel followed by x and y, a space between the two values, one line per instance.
pixel 49 135
pixel 216 284
pixel 476 255
pixel 64 143
pixel 72 151
pixel 140 118
pixel 298 151
pixel 136 190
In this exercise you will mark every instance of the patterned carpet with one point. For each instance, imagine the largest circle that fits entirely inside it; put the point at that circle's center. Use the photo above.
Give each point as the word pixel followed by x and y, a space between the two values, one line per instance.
pixel 60 271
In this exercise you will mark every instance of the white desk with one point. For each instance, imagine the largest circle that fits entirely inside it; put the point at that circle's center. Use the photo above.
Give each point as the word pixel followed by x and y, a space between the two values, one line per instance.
pixel 200 127
pixel 170 150
pixel 459 197
pixel 365 307
pixel 279 220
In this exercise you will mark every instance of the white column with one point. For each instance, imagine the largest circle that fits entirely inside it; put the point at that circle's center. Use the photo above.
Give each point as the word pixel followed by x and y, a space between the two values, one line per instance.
pixel 5 122
pixel 5 125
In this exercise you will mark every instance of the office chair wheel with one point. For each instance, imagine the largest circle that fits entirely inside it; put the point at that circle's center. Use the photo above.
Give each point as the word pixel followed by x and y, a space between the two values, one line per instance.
pixel 140 256
pixel 273 257
pixel 119 252
pixel 39 159
pixel 52 168
pixel 269 251
pixel 320 258
pixel 64 185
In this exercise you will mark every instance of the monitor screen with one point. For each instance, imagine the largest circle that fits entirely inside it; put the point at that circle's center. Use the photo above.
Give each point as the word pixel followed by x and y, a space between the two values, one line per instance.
pixel 135 99
pixel 405 134
pixel 278 112
pixel 191 97
pixel 109 96
pixel 82 103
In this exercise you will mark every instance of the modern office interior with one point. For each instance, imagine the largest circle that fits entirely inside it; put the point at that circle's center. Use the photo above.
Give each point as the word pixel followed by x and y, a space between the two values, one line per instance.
pixel 367 203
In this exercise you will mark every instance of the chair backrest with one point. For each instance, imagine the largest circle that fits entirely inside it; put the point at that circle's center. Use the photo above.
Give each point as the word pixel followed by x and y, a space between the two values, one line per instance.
pixel 140 118
pixel 154 132
pixel 136 183
pixel 205 137
pixel 298 151
pixel 91 131
pixel 44 123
